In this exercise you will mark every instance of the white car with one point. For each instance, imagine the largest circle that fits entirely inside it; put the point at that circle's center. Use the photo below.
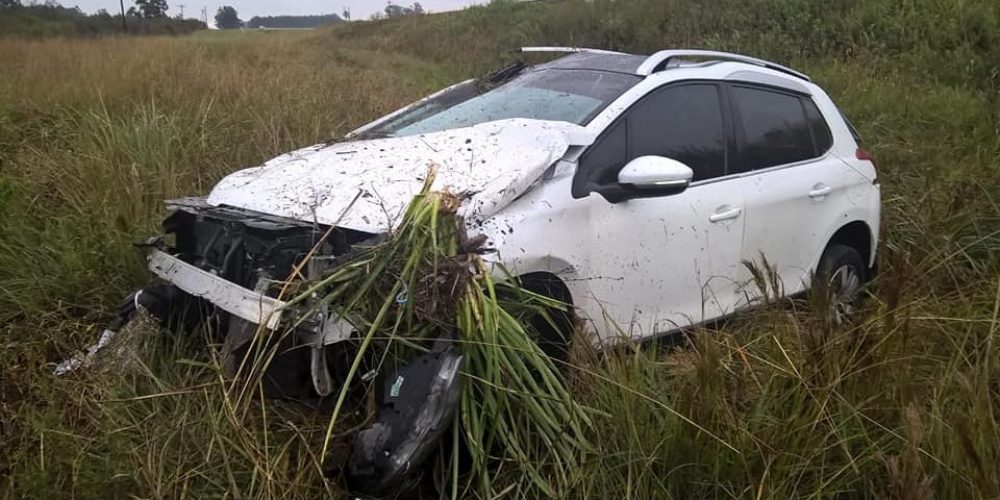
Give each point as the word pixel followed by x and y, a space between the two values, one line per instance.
pixel 633 187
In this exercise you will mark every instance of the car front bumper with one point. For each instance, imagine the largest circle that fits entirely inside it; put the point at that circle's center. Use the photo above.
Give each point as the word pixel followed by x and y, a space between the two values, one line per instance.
pixel 249 305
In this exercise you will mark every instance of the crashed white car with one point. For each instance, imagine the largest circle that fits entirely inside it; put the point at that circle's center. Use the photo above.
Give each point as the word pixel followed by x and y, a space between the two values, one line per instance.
pixel 634 188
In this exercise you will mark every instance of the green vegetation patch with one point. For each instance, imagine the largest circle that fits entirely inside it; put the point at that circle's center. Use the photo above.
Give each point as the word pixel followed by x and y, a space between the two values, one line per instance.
pixel 903 404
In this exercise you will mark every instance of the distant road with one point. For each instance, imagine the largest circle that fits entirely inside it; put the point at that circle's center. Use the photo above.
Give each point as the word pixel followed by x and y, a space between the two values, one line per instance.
pixel 265 28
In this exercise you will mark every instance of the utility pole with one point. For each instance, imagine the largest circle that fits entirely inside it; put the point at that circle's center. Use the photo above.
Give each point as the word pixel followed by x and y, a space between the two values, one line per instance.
pixel 124 26
pixel 180 6
pixel 204 16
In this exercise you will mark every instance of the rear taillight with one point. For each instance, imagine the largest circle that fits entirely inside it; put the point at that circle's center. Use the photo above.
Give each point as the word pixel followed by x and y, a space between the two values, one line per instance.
pixel 861 154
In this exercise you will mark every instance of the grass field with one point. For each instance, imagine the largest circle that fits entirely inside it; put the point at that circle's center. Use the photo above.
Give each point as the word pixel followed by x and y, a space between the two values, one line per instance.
pixel 906 404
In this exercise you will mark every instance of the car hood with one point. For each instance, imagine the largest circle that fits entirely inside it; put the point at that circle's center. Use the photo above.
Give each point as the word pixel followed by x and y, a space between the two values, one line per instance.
pixel 491 164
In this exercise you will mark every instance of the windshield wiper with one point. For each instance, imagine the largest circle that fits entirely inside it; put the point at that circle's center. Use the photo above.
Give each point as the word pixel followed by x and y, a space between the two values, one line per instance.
pixel 502 75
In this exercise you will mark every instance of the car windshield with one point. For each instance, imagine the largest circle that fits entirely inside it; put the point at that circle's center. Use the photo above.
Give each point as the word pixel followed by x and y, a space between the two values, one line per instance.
pixel 573 96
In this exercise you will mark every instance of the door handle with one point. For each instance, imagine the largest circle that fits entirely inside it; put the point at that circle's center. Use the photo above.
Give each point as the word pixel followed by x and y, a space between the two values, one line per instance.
pixel 732 213
pixel 820 190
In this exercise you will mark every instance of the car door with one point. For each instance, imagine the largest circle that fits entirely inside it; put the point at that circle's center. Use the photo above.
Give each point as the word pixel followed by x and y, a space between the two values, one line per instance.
pixel 783 144
pixel 662 263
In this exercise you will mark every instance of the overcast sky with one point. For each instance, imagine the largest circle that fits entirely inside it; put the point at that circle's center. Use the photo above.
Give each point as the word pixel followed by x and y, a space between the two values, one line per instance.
pixel 360 9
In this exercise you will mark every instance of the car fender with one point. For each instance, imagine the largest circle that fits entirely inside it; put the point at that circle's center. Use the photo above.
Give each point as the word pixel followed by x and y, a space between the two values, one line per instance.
pixel 542 231
pixel 855 214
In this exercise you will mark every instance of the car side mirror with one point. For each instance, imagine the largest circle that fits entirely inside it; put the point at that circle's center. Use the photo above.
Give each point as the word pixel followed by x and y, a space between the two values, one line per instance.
pixel 650 177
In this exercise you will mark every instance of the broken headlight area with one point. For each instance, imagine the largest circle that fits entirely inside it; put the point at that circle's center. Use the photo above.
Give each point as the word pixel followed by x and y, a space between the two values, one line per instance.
pixel 243 266
pixel 246 267
pixel 239 264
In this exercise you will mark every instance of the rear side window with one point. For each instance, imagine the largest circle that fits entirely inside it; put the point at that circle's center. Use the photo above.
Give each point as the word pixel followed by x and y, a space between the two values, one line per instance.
pixel 684 123
pixel 775 130
pixel 822 137
pixel 850 126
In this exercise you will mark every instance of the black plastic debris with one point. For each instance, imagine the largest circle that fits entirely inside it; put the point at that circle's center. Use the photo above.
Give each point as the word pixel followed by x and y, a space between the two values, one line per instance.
pixel 418 405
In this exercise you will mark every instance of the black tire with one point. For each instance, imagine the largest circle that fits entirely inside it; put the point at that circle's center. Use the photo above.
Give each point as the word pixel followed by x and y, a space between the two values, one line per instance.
pixel 165 303
pixel 287 374
pixel 554 332
pixel 842 272
pixel 159 302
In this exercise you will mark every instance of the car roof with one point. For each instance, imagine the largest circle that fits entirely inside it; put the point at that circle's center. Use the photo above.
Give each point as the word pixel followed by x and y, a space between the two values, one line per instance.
pixel 597 61
pixel 642 65
pixel 687 63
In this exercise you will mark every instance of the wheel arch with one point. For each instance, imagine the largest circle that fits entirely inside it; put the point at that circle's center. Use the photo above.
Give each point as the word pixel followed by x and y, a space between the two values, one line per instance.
pixel 858 235
pixel 548 284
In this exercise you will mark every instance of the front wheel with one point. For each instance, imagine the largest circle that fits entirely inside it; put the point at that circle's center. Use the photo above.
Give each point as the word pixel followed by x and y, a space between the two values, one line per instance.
pixel 551 325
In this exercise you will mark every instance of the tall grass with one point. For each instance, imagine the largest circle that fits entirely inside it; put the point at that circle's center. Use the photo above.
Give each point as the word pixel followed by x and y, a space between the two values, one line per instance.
pixel 903 404
pixel 95 135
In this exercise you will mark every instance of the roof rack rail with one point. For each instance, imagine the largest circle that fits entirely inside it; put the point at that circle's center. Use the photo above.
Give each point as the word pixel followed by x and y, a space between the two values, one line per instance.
pixel 567 49
pixel 659 60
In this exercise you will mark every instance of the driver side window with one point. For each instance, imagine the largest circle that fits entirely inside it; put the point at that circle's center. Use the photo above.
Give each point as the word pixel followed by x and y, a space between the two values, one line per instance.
pixel 683 122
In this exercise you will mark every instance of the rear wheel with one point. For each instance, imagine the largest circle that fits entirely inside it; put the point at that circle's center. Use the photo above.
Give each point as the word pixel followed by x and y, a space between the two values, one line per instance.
pixel 842 274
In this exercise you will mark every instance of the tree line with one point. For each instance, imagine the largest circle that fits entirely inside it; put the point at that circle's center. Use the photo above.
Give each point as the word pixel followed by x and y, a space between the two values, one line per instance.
pixel 150 17
pixel 145 17
pixel 228 18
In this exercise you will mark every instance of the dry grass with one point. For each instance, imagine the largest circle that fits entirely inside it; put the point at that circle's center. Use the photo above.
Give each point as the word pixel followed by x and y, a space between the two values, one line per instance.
pixel 96 133
pixel 93 134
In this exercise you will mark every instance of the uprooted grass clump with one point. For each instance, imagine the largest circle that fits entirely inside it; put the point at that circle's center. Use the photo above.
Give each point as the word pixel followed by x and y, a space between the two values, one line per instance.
pixel 426 281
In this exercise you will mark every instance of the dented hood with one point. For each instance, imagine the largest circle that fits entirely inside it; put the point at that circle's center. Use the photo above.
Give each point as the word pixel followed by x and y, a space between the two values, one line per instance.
pixel 492 163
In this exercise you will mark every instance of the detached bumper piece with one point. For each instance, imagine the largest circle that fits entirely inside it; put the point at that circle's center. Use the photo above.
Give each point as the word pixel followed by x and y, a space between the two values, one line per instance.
pixel 246 304
pixel 418 405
